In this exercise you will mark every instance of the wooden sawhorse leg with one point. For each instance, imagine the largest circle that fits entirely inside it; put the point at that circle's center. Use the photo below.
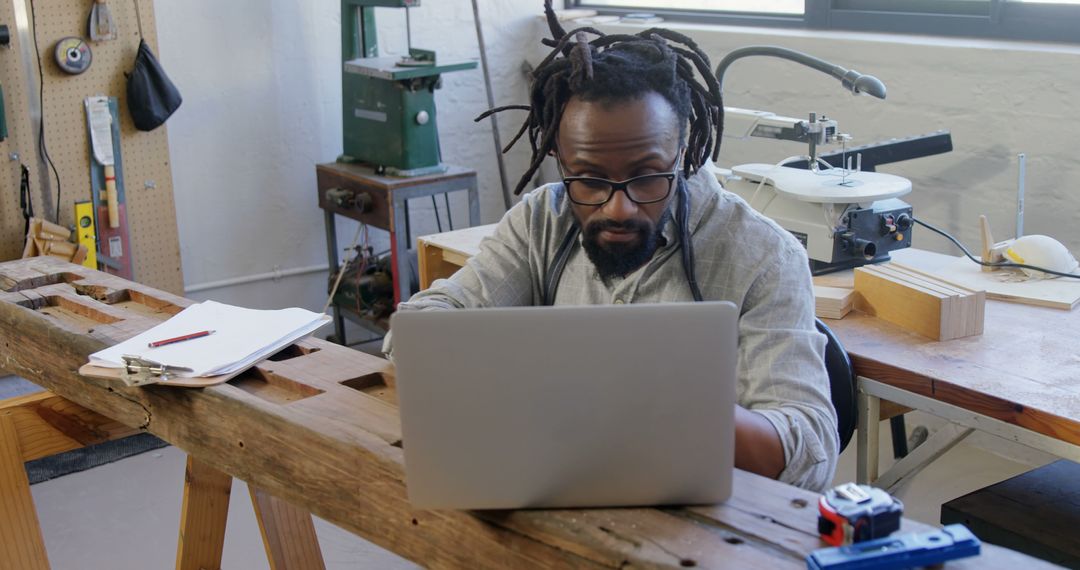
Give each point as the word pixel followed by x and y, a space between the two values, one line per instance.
pixel 288 532
pixel 202 517
pixel 21 543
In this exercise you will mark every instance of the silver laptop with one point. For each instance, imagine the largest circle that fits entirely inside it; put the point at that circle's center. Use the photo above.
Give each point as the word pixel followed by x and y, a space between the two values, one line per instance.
pixel 594 406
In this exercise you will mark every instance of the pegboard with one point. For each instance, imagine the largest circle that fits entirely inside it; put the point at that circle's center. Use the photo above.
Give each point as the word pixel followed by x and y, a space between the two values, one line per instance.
pixel 151 212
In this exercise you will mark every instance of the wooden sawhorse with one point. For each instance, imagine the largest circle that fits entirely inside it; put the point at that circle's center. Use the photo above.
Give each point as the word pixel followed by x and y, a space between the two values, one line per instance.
pixel 42 424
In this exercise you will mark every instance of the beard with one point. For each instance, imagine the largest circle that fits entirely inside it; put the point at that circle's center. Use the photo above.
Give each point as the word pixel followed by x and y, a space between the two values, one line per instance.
pixel 621 258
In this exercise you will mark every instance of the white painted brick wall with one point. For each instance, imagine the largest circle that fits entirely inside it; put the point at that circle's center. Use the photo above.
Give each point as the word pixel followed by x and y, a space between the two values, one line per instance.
pixel 262 97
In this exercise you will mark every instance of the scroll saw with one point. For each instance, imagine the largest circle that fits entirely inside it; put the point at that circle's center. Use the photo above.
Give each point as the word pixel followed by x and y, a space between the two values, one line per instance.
pixel 844 215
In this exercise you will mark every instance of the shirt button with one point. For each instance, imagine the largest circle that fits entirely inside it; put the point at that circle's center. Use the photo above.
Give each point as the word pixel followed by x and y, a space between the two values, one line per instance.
pixel 618 301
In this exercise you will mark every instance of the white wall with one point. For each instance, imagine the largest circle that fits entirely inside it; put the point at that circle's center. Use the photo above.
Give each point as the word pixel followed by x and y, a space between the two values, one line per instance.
pixel 261 86
pixel 262 106
pixel 997 98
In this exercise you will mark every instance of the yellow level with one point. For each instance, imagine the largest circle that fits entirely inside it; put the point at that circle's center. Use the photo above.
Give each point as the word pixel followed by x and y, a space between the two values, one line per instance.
pixel 86 231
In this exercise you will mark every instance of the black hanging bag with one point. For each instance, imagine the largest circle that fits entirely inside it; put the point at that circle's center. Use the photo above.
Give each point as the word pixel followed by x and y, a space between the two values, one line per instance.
pixel 152 97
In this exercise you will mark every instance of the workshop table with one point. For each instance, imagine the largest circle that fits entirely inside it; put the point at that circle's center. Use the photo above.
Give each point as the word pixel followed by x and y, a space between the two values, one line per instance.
pixel 1020 379
pixel 317 425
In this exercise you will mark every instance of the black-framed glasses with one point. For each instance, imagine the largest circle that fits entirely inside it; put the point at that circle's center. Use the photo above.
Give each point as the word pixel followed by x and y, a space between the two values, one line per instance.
pixel 644 189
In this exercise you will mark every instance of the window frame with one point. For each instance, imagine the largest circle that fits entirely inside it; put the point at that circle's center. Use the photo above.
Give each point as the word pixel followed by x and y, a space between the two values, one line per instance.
pixel 1005 19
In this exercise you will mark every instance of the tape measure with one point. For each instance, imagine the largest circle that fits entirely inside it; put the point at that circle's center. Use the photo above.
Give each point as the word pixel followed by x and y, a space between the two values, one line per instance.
pixel 851 513
pixel 73 56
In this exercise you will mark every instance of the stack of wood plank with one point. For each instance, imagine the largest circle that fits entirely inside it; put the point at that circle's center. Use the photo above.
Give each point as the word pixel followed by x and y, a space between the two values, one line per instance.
pixel 919 301
pixel 47 238
pixel 832 302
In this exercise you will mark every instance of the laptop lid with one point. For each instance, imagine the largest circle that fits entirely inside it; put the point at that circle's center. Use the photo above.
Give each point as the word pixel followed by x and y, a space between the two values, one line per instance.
pixel 567 406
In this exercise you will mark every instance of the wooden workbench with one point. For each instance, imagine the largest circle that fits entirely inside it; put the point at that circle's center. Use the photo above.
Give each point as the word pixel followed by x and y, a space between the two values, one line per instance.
pixel 317 426
pixel 1019 380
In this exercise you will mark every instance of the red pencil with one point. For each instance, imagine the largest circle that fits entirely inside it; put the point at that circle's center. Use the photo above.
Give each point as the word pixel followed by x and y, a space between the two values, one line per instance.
pixel 199 334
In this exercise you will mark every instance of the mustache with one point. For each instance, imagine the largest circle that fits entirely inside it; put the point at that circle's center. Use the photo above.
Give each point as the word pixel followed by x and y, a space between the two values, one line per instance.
pixel 595 227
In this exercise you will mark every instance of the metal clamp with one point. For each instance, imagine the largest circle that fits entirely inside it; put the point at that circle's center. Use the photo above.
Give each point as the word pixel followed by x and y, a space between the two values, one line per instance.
pixel 139 371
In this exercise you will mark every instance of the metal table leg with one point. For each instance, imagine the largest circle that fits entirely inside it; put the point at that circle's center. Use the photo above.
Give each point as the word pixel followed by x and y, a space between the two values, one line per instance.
pixel 399 248
pixel 474 203
pixel 866 463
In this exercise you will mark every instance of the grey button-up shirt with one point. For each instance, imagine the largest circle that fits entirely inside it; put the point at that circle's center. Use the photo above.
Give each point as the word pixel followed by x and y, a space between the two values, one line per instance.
pixel 740 256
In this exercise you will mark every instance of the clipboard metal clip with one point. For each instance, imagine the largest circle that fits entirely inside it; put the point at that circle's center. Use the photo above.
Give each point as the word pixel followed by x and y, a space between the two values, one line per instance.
pixel 138 371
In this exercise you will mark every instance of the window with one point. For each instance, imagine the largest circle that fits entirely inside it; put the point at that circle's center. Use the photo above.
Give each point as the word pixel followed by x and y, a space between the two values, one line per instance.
pixel 1038 20
pixel 747 6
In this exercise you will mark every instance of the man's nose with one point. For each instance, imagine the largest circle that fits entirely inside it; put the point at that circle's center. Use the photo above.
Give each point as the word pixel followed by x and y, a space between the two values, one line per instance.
pixel 620 206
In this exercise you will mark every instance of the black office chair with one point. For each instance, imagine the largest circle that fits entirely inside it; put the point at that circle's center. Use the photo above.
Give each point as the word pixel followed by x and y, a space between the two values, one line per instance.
pixel 841 383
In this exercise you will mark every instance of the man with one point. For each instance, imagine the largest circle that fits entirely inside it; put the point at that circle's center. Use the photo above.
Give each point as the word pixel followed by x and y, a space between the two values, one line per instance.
pixel 614 115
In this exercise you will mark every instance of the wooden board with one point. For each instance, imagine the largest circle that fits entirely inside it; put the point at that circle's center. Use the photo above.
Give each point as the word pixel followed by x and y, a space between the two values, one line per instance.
pixel 326 437
pixel 151 211
pixel 832 302
pixel 1061 293
pixel 919 302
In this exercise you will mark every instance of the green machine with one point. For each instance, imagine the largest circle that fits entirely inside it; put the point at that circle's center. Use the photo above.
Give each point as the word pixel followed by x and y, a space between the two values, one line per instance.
pixel 388 102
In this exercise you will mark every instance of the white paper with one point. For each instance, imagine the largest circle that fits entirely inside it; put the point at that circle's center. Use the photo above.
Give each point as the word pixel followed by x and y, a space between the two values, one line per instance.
pixel 241 338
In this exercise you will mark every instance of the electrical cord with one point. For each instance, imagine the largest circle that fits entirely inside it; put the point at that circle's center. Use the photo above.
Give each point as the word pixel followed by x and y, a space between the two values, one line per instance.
pixel 26 202
pixel 41 106
pixel 435 206
pixel 987 263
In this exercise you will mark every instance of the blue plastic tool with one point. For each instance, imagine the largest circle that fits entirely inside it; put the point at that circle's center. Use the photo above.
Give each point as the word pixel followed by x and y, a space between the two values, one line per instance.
pixel 897 552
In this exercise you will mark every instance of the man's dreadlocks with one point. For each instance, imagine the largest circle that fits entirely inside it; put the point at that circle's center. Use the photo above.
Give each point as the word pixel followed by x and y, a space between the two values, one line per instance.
pixel 620 67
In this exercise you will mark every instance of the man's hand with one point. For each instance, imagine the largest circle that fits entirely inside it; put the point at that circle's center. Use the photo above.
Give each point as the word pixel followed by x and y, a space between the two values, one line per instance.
pixel 757 445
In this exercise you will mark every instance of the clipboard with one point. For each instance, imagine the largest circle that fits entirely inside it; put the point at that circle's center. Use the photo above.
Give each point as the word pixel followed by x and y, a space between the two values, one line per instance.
pixel 146 372
pixel 242 338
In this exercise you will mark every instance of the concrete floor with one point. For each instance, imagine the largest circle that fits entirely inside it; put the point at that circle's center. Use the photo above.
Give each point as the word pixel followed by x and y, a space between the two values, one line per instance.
pixel 126 515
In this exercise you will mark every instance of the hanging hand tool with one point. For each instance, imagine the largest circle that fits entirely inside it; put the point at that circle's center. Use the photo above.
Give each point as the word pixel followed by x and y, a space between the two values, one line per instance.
pixel 101 137
pixel 101 23
pixel 107 186
pixel 85 232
